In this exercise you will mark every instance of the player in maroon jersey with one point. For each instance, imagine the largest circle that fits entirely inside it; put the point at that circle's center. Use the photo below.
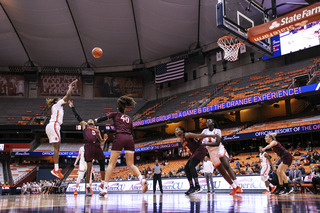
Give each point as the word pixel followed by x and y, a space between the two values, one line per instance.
pixel 286 158
pixel 198 153
pixel 123 140
pixel 92 147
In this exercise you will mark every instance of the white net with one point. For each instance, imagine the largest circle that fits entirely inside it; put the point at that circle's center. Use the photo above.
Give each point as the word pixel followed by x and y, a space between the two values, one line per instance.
pixel 230 47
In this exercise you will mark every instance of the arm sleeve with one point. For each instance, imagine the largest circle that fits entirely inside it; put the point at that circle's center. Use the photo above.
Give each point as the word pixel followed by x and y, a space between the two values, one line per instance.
pixel 104 118
pixel 76 114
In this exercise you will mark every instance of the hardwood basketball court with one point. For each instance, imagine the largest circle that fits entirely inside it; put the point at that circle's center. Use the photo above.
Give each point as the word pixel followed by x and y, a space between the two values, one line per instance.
pixel 177 202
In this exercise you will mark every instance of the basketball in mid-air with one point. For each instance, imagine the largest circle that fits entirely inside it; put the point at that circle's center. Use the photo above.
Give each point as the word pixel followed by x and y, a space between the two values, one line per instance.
pixel 97 52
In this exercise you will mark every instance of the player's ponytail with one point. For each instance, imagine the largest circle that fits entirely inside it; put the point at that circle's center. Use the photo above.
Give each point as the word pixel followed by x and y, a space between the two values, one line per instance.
pixel 51 101
pixel 125 101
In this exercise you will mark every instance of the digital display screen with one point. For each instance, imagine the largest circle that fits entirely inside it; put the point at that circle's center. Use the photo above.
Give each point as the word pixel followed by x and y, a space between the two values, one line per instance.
pixel 108 128
pixel 295 40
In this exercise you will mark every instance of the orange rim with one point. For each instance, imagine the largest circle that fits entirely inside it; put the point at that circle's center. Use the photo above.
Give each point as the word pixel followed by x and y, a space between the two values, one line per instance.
pixel 231 45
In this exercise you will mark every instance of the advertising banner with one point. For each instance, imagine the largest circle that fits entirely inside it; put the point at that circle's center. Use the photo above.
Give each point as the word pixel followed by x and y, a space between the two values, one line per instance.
pixel 175 184
pixel 287 130
pixel 230 104
pixel 285 23
pixel 70 154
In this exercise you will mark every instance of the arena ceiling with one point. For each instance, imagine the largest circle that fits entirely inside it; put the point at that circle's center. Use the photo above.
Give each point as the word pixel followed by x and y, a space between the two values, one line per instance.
pixel 62 33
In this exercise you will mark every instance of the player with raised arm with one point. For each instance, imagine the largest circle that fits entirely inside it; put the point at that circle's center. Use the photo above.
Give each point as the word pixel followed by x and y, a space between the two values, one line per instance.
pixel 198 153
pixel 92 147
pixel 219 155
pixel 123 140
pixel 53 127
pixel 266 166
pixel 286 160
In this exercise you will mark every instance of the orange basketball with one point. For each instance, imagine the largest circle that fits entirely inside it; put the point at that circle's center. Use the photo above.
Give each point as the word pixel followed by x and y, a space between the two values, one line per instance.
pixel 97 52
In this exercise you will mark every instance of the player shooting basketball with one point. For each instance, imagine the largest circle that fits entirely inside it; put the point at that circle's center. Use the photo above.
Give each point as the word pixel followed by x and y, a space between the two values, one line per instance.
pixel 53 127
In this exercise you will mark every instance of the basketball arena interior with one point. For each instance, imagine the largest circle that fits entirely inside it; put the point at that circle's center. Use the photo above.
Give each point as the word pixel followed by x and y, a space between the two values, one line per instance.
pixel 183 62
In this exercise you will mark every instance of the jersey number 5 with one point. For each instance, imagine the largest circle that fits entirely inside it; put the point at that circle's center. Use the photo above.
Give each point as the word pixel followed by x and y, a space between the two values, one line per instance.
pixel 125 119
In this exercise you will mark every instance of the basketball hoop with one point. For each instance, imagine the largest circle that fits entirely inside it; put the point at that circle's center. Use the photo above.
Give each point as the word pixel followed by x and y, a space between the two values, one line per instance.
pixel 230 46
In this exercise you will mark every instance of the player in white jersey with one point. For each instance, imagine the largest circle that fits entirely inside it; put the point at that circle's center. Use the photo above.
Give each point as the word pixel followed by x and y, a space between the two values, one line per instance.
pixel 53 127
pixel 219 156
pixel 82 168
pixel 266 165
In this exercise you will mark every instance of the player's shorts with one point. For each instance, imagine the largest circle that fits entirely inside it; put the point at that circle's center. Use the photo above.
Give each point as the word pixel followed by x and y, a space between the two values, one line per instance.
pixel 222 152
pixel 82 167
pixel 123 141
pixel 287 159
pixel 200 153
pixel 214 155
pixel 264 173
pixel 53 132
pixel 93 151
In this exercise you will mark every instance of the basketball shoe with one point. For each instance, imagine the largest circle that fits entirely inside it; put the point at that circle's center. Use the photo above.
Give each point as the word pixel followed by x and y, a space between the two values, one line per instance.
pixel 104 190
pixel 238 189
pixel 89 191
pixel 195 190
pixel 234 191
pixel 144 185
pixel 57 173
pixel 191 189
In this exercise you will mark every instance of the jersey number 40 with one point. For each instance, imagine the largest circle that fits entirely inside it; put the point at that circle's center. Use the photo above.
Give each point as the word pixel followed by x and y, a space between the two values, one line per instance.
pixel 125 119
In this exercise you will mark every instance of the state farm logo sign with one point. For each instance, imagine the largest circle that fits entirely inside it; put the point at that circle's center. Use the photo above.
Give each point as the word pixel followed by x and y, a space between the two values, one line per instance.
pixel 275 24
pixel 285 23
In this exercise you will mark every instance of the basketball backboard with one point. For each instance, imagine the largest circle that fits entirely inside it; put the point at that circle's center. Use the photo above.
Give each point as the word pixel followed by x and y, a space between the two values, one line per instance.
pixel 236 16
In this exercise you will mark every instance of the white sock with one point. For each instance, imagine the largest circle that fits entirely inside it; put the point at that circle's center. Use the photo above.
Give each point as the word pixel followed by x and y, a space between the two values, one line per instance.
pixel 234 185
pixel 105 186
pixel 140 178
pixel 56 166
pixel 270 184
pixel 235 182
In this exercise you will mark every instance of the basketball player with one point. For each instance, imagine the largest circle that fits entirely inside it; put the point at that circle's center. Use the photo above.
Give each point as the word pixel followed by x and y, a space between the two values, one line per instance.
pixel 53 127
pixel 286 158
pixel 198 153
pixel 219 156
pixel 92 147
pixel 266 165
pixel 123 140
pixel 82 168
